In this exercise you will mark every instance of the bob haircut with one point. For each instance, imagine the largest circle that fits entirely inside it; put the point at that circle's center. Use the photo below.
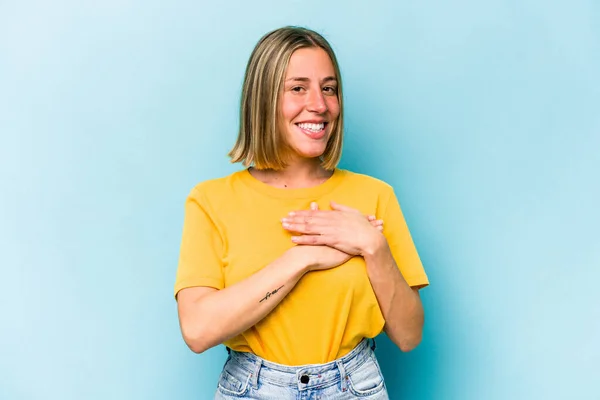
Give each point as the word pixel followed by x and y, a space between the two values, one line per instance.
pixel 259 141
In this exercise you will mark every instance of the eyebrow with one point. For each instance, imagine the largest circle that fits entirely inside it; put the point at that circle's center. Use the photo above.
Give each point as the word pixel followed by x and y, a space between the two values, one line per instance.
pixel 302 79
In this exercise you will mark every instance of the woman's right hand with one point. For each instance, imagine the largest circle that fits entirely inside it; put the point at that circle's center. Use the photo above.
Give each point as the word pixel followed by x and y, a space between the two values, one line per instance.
pixel 317 258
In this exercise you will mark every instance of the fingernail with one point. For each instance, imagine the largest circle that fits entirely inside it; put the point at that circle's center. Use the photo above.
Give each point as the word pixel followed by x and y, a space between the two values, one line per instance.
pixel 284 220
pixel 291 213
pixel 294 238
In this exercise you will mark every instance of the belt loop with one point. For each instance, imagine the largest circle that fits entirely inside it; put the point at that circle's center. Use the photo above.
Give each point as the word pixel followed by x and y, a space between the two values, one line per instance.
pixel 254 376
pixel 343 376
pixel 373 345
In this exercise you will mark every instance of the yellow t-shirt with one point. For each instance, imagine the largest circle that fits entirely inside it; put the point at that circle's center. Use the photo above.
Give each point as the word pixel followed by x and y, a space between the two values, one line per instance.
pixel 232 229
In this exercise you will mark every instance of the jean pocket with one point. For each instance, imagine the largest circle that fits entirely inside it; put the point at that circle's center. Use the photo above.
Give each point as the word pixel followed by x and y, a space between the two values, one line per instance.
pixel 367 379
pixel 234 385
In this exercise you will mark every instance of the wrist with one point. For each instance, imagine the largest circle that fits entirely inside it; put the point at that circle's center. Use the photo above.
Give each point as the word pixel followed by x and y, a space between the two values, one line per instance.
pixel 299 260
pixel 374 246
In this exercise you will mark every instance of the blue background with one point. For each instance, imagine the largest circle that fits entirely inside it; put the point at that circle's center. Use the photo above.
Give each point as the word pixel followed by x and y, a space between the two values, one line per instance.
pixel 485 117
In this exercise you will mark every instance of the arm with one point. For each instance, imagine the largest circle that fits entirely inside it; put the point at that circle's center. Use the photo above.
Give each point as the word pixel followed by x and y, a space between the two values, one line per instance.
pixel 208 316
pixel 400 304
pixel 210 313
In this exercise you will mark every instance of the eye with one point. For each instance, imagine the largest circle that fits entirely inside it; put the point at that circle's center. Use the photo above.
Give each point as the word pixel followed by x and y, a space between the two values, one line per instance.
pixel 297 89
pixel 330 89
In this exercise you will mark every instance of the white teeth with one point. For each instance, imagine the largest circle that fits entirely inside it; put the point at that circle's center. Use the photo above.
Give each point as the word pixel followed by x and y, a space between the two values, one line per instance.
pixel 312 127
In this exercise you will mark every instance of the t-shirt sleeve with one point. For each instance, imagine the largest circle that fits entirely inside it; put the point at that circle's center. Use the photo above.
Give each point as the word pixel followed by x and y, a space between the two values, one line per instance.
pixel 201 251
pixel 401 244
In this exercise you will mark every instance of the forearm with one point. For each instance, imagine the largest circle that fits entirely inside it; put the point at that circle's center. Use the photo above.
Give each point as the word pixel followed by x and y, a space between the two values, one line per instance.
pixel 225 313
pixel 399 303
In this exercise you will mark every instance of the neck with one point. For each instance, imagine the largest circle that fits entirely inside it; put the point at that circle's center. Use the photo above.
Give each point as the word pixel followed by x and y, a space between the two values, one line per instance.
pixel 296 175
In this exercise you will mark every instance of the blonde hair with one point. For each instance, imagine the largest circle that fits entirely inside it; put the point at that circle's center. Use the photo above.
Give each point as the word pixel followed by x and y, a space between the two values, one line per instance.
pixel 259 142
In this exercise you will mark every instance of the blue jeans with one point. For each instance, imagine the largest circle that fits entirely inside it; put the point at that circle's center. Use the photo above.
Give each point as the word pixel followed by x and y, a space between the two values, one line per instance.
pixel 354 376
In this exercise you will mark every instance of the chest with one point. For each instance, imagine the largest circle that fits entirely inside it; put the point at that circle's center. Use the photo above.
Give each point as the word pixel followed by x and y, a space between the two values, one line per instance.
pixel 255 236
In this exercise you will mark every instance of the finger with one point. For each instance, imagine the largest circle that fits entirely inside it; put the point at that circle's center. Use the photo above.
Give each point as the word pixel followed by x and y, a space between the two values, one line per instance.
pixel 340 207
pixel 303 213
pixel 306 225
pixel 314 206
pixel 374 221
pixel 379 228
pixel 310 240
pixel 310 217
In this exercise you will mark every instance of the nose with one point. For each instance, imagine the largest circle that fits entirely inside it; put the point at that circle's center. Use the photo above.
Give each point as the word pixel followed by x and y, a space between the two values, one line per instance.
pixel 316 102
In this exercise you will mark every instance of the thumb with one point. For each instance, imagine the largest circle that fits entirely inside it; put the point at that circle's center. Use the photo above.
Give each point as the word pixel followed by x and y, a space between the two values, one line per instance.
pixel 314 206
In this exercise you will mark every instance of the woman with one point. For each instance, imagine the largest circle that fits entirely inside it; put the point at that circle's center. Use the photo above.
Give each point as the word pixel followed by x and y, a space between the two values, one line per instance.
pixel 278 261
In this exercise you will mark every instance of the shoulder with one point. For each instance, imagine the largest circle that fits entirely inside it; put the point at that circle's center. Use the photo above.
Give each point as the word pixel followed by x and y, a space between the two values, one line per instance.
pixel 213 190
pixel 367 182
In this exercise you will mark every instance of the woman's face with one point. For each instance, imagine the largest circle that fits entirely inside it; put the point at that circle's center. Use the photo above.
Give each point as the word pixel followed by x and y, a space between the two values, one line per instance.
pixel 309 103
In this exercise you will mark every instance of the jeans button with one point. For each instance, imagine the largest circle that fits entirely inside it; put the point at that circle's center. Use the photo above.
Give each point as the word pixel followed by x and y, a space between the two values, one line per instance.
pixel 304 379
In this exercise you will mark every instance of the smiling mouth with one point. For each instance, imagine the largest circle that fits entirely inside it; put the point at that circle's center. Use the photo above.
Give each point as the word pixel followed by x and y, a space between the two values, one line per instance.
pixel 315 131
pixel 311 127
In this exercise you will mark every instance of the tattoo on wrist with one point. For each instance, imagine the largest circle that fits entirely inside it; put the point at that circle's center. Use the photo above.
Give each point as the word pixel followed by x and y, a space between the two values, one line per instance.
pixel 270 294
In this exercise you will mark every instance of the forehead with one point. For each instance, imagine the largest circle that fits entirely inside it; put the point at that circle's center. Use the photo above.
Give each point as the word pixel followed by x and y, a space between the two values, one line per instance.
pixel 310 62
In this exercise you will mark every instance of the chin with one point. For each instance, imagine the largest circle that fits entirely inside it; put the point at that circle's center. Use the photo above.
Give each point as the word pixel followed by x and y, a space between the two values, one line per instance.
pixel 310 153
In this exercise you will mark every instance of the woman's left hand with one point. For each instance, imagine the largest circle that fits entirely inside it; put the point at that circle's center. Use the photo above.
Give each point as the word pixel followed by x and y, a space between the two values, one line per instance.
pixel 343 228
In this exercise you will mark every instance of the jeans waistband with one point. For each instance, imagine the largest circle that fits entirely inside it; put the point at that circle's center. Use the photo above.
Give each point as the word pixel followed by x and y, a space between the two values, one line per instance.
pixel 304 376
